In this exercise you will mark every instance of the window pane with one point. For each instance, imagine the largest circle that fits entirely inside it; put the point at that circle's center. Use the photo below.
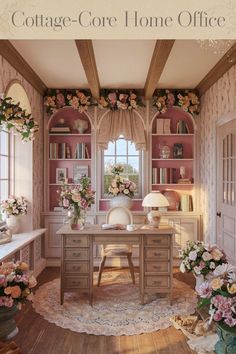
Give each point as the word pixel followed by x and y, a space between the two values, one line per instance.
pixel 4 139
pixel 121 147
pixel 134 164
pixel 121 160
pixel 131 149
pixel 108 164
pixel 4 190
pixel 111 149
pixel 4 167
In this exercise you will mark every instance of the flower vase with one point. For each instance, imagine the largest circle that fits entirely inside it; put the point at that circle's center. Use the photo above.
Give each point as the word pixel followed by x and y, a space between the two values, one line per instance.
pixel 8 328
pixel 77 221
pixel 199 280
pixel 121 200
pixel 13 223
pixel 227 339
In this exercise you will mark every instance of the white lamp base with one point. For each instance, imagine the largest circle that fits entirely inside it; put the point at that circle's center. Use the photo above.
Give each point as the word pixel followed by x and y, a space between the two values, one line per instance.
pixel 154 217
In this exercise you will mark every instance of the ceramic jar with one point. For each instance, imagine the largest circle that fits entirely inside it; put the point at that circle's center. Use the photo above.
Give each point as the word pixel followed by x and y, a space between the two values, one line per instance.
pixel 121 200
pixel 173 199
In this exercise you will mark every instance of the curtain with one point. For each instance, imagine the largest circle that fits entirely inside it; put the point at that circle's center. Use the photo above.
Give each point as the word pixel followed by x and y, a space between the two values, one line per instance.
pixel 122 122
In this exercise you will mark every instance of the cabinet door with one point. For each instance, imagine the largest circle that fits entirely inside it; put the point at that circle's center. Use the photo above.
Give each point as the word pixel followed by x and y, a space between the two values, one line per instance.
pixel 52 240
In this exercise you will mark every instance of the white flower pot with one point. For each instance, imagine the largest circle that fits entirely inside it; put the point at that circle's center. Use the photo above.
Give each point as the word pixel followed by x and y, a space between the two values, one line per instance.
pixel 121 200
pixel 14 223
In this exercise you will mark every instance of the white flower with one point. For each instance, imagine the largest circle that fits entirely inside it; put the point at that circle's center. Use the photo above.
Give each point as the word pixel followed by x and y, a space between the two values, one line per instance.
pixel 192 255
pixel 212 265
pixel 126 191
pixel 197 270
pixel 223 269
pixel 206 256
pixel 182 267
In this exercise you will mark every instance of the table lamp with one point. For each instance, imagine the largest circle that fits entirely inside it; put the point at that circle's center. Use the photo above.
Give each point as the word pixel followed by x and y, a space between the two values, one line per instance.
pixel 154 200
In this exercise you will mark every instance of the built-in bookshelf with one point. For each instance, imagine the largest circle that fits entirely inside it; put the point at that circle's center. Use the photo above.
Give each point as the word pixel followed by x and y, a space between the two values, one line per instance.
pixel 172 158
pixel 68 152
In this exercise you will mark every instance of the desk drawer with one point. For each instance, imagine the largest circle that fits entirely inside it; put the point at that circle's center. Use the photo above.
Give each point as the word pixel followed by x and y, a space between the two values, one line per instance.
pixel 157 253
pixel 76 282
pixel 158 240
pixel 76 240
pixel 157 281
pixel 159 267
pixel 76 267
pixel 76 253
pixel 116 238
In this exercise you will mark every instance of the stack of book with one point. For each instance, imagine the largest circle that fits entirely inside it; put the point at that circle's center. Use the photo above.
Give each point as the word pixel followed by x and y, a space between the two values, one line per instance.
pixel 163 126
pixel 184 181
pixel 60 128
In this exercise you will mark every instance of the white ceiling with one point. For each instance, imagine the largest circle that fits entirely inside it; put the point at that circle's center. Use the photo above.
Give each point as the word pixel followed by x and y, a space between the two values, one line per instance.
pixel 120 63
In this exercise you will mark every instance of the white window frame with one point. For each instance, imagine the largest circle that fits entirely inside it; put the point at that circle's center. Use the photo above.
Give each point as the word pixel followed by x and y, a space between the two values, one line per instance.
pixel 104 194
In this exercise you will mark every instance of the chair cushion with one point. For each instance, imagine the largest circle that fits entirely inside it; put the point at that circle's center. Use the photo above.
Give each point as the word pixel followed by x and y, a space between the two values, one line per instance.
pixel 116 250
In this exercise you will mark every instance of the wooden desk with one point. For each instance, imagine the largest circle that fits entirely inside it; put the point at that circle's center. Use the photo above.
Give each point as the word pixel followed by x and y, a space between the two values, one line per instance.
pixel 155 262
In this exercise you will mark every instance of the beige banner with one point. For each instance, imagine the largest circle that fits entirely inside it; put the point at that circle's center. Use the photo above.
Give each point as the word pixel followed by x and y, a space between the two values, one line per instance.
pixel 112 19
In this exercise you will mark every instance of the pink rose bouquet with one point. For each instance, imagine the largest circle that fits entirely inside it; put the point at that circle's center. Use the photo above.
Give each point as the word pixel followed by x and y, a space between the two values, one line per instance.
pixel 219 294
pixel 120 185
pixel 15 284
pixel 200 258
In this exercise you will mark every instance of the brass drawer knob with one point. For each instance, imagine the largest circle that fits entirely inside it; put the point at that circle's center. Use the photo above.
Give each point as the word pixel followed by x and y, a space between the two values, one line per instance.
pixel 76 254
pixel 77 241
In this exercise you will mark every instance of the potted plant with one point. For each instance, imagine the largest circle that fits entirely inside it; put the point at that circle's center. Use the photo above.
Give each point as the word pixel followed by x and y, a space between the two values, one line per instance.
pixel 15 288
pixel 77 198
pixel 219 295
pixel 201 259
pixel 121 187
pixel 13 208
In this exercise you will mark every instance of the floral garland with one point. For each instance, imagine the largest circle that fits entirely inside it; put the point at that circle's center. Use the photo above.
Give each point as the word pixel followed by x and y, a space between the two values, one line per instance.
pixel 12 116
pixel 56 99
pixel 115 100
pixel 186 99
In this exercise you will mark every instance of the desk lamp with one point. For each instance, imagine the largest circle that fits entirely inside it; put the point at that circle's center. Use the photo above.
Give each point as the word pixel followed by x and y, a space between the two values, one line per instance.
pixel 154 200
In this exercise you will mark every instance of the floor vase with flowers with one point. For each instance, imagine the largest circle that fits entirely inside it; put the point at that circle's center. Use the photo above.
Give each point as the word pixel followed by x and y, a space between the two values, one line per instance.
pixel 227 339
pixel 8 328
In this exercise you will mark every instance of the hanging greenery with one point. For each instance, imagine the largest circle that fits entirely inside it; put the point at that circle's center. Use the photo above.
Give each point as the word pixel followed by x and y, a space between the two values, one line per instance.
pixel 117 99
pixel 13 117
pixel 186 99
pixel 56 99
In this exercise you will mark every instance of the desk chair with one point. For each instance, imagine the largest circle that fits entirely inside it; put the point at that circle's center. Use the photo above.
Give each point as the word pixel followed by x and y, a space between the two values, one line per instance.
pixel 123 216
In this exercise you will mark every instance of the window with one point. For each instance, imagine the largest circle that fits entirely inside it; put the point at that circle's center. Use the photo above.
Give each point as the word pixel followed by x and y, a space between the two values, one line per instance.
pixel 4 165
pixel 122 152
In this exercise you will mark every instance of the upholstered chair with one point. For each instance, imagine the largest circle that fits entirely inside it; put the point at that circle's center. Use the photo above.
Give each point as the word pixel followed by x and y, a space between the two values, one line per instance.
pixel 122 216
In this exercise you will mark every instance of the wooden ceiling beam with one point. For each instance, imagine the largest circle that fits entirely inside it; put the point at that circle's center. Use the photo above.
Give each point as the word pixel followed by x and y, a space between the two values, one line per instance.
pixel 9 52
pixel 159 59
pixel 86 53
pixel 223 65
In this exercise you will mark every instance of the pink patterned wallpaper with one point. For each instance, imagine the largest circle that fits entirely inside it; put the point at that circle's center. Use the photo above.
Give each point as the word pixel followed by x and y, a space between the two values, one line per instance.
pixel 7 75
pixel 217 104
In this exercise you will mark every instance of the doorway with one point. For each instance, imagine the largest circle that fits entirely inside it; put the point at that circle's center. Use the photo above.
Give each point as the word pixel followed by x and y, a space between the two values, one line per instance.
pixel 226 189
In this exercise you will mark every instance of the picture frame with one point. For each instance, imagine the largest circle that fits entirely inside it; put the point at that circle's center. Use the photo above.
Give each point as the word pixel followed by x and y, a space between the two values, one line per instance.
pixel 61 175
pixel 79 171
pixel 178 151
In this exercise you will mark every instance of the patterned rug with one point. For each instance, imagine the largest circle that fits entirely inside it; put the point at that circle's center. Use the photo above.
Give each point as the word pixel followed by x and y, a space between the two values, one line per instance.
pixel 116 309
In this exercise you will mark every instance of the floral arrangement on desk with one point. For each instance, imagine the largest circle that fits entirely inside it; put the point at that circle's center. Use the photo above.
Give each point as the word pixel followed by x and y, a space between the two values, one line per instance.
pixel 14 206
pixel 120 185
pixel 15 284
pixel 56 99
pixel 80 196
pixel 219 294
pixel 12 116
pixel 200 258
pixel 116 99
pixel 186 99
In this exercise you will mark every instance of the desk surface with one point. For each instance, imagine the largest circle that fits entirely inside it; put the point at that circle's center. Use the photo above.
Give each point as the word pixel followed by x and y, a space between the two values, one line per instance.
pixel 97 229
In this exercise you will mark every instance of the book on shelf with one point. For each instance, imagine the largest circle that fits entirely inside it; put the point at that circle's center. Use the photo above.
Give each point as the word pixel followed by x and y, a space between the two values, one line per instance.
pixel 163 126
pixel 59 151
pixel 81 151
pixel 60 130
pixel 57 208
pixel 184 181
pixel 182 127
pixel 186 202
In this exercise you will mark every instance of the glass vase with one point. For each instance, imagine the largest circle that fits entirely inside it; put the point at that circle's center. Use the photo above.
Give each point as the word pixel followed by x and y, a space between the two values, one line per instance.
pixel 78 218
pixel 8 328
pixel 226 339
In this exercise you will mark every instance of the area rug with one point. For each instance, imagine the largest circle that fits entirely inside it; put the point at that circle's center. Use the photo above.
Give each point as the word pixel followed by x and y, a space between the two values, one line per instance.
pixel 116 308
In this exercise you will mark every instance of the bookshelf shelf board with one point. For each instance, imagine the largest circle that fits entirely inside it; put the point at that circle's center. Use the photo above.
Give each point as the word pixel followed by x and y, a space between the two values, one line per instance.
pixel 69 159
pixel 69 134
pixel 182 135
pixel 172 159
pixel 172 184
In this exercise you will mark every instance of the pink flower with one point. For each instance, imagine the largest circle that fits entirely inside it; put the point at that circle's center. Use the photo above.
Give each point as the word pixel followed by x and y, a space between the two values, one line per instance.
pixel 205 290
pixel 217 316
pixel 202 264
pixel 206 256
pixel 60 100
pixel 123 97
pixel 112 98
pixel 231 322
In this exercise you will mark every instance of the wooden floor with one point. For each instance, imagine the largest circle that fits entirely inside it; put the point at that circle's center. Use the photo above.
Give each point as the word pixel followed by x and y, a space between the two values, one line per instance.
pixel 37 336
